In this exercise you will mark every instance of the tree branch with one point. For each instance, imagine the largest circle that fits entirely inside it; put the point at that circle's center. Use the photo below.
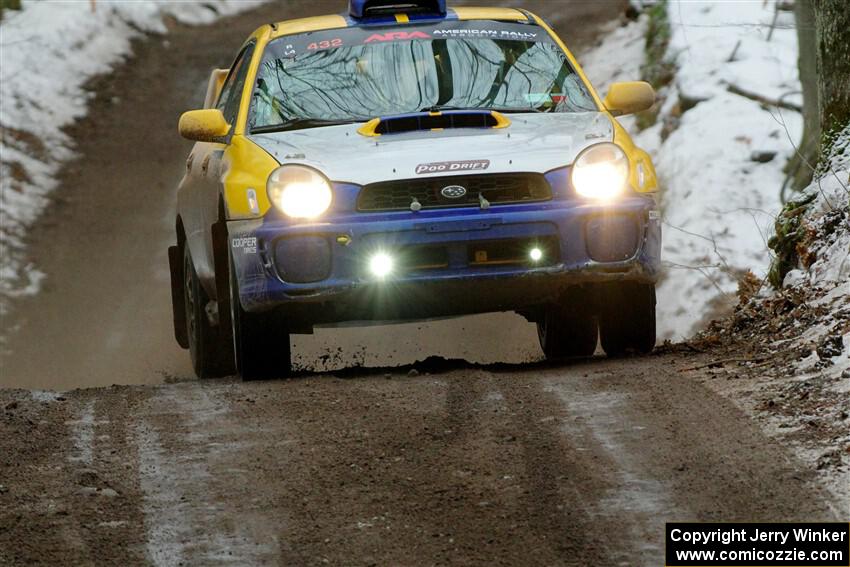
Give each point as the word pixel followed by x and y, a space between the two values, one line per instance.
pixel 734 89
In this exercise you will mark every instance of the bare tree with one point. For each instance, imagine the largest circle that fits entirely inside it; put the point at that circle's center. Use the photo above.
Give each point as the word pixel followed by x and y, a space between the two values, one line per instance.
pixel 800 167
pixel 832 24
pixel 830 84
pixel 823 34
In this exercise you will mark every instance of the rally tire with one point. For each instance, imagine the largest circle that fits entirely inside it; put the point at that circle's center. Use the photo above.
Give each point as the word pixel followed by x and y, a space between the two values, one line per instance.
pixel 627 319
pixel 212 356
pixel 568 329
pixel 260 340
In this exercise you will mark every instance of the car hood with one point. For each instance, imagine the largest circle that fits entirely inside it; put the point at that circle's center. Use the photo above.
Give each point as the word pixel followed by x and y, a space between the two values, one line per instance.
pixel 531 143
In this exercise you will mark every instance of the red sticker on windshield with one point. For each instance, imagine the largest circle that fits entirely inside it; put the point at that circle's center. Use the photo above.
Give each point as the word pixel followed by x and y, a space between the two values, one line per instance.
pixel 325 44
pixel 397 36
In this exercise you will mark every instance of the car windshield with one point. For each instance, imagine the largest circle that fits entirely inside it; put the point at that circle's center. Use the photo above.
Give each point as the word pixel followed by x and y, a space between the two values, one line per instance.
pixel 355 74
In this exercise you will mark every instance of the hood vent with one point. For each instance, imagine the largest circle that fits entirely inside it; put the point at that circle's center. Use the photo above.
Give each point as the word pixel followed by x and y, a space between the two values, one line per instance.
pixel 434 121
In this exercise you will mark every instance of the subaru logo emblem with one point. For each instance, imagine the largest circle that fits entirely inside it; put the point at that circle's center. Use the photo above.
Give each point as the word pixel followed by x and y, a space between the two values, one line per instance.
pixel 453 191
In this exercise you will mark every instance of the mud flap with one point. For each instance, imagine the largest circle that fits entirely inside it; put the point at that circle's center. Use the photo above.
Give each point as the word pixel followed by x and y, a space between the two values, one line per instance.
pixel 221 264
pixel 178 306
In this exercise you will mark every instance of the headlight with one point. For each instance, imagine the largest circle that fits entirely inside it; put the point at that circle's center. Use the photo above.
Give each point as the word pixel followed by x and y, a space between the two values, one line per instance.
pixel 299 192
pixel 601 172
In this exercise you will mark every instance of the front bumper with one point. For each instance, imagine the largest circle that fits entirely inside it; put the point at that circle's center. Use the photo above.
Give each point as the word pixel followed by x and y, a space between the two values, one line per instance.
pixel 319 271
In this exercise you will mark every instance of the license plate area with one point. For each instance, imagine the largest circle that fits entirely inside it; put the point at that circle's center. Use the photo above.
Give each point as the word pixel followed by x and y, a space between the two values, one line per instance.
pixel 536 251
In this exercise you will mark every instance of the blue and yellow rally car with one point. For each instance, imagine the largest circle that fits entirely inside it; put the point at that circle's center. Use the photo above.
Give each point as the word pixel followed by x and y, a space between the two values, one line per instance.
pixel 410 161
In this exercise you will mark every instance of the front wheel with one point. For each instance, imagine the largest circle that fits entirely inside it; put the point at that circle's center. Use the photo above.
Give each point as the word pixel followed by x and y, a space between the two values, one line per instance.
pixel 568 328
pixel 260 340
pixel 627 318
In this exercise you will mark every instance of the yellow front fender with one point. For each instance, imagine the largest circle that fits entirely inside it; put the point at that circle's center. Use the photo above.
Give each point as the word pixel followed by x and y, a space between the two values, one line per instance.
pixel 642 175
pixel 245 169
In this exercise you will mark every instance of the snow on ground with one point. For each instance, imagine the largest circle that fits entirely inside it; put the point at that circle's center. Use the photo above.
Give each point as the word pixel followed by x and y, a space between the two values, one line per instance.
pixel 617 58
pixel 831 192
pixel 825 281
pixel 48 51
pixel 719 205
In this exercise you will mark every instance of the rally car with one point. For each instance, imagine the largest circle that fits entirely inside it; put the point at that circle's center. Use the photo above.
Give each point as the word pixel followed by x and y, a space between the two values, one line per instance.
pixel 407 161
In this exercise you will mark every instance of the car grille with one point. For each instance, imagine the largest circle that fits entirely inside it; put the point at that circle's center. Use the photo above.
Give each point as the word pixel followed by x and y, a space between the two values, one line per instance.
pixel 497 189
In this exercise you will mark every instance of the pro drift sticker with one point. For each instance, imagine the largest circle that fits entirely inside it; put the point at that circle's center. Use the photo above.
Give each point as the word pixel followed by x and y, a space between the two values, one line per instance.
pixel 248 244
pixel 451 166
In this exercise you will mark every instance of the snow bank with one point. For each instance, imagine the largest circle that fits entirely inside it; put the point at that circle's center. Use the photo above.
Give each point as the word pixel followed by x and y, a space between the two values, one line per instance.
pixel 823 273
pixel 719 203
pixel 48 51
pixel 828 216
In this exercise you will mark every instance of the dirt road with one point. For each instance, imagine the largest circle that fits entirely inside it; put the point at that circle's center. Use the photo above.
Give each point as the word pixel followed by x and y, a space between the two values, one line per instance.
pixel 530 465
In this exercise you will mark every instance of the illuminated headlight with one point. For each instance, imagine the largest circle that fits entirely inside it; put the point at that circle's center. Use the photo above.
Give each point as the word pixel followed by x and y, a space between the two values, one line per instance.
pixel 381 264
pixel 601 172
pixel 536 254
pixel 299 192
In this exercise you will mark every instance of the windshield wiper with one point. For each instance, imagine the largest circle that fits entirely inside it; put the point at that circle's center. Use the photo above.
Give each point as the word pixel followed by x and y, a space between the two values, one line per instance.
pixel 517 110
pixel 300 124
pixel 439 108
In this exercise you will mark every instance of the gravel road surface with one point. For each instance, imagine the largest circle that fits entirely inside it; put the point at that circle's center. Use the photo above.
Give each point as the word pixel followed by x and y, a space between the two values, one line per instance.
pixel 450 464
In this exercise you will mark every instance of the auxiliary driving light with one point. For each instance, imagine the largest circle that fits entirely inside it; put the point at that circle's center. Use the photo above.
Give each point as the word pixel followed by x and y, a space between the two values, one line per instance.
pixel 536 254
pixel 381 264
pixel 601 172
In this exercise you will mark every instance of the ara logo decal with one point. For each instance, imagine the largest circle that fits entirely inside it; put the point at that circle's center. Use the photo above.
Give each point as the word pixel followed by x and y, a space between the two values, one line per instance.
pixel 448 166
pixel 453 191
pixel 397 36
pixel 248 244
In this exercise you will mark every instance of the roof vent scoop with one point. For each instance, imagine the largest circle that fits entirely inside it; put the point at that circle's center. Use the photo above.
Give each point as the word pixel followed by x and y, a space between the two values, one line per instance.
pixel 369 8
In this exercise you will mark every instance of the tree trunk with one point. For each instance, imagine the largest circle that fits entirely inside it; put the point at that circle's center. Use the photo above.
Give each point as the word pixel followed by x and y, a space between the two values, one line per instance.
pixel 800 167
pixel 832 70
pixel 832 19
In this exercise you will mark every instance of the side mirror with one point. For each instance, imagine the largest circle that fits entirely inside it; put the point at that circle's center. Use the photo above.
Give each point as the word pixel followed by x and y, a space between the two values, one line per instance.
pixel 206 125
pixel 628 98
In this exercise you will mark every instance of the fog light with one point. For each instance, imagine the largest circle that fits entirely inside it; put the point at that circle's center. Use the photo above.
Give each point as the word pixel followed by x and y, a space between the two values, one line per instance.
pixel 536 254
pixel 381 264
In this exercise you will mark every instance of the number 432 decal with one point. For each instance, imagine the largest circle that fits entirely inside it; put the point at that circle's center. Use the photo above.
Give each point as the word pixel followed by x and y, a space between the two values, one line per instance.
pixel 325 44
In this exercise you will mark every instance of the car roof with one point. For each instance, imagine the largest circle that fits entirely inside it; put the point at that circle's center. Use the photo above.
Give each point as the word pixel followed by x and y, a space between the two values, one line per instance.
pixel 336 21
